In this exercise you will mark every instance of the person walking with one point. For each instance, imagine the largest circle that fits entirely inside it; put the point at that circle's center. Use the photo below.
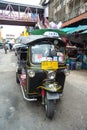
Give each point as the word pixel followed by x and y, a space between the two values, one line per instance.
pixel 5 48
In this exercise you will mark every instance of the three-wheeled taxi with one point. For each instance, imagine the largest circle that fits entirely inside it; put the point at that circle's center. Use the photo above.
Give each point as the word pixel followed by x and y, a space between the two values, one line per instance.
pixel 43 76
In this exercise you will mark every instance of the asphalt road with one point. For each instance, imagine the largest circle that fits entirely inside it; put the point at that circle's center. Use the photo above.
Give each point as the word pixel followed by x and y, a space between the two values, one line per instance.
pixel 18 114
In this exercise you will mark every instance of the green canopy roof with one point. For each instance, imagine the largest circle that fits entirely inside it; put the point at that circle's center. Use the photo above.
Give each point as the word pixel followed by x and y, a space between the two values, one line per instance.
pixel 42 31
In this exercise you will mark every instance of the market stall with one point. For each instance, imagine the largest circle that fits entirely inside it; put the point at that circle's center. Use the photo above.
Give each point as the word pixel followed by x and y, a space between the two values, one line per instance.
pixel 76 58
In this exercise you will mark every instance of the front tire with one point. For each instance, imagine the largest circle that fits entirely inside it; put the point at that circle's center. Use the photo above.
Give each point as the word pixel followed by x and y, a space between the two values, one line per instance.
pixel 50 108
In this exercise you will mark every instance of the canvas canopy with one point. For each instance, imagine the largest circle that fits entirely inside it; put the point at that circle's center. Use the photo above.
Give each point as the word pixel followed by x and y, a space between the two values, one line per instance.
pixel 42 31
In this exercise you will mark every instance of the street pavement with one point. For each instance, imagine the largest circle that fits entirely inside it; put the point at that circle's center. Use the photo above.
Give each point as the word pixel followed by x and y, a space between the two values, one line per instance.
pixel 18 114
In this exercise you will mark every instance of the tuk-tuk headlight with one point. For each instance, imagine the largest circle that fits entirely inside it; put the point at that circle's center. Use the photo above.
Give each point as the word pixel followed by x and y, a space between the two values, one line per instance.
pixel 31 73
pixel 51 75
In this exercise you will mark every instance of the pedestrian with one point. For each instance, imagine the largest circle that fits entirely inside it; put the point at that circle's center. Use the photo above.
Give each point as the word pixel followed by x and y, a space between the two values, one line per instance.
pixel 5 48
pixel 43 19
pixel 10 45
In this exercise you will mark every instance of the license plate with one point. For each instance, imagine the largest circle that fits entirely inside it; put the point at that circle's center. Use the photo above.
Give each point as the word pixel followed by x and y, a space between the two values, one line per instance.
pixel 49 65
pixel 52 96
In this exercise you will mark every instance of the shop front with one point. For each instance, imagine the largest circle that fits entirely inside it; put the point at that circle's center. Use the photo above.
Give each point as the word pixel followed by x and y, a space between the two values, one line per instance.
pixel 76 58
pixel 76 30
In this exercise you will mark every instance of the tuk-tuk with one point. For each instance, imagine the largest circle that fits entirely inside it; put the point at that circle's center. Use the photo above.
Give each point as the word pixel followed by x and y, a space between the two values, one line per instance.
pixel 43 75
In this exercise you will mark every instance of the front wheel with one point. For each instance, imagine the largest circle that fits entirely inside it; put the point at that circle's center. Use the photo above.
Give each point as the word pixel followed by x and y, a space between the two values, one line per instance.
pixel 50 108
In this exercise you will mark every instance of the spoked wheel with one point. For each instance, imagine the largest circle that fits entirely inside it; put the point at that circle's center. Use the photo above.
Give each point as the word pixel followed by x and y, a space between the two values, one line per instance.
pixel 50 108
pixel 17 80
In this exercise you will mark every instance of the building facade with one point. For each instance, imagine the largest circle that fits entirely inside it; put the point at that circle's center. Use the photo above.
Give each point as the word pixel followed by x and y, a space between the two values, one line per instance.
pixel 66 10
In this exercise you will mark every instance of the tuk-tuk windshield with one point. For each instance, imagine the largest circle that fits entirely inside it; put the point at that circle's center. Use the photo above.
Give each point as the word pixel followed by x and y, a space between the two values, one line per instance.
pixel 43 52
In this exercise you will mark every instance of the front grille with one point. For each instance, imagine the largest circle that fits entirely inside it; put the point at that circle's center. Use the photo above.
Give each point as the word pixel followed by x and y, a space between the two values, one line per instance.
pixel 36 81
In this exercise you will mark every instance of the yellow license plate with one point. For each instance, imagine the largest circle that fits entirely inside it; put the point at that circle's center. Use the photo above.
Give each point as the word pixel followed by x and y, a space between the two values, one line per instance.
pixel 49 65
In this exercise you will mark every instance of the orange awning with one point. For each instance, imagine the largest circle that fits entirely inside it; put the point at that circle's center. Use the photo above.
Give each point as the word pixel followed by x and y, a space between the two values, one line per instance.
pixel 74 20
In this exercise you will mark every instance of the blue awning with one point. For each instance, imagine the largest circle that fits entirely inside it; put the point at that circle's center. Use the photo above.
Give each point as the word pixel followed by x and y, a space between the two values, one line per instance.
pixel 67 29
pixel 78 29
pixel 84 32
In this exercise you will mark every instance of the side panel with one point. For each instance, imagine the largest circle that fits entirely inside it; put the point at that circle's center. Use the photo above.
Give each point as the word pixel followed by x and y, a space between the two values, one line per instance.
pixel 60 78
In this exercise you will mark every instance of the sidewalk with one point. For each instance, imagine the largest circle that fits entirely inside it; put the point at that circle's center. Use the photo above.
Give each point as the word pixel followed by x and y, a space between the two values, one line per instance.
pixel 78 78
